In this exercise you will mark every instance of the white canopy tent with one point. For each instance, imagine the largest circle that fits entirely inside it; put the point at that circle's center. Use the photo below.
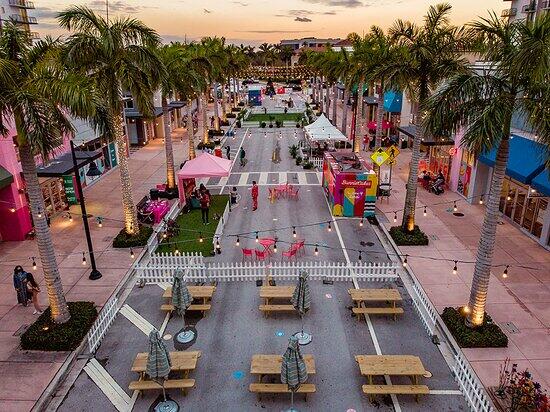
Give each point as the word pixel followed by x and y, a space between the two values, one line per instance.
pixel 321 130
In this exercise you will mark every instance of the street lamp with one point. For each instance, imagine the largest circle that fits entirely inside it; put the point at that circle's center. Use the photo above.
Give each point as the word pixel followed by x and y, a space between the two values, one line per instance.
pixel 94 274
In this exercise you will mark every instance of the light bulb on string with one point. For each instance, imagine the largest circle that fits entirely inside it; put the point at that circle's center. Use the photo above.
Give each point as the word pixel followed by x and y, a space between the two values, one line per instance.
pixel 394 217
pixel 455 207
pixel 33 263
pixel 132 255
pixel 360 256
pixel 12 209
pixel 405 261
pixel 293 232
pixel 361 223
pixel 466 309
pixel 329 227
pixel 70 217
pixel 316 250
pixel 455 268
pixel 257 237
pixel 505 273
pixel 200 237
pixel 275 247
pixel 238 241
pixel 164 235
pixel 39 214
pixel 100 222
pixel 177 251
pixel 218 243
pixel 481 200
pixel 83 258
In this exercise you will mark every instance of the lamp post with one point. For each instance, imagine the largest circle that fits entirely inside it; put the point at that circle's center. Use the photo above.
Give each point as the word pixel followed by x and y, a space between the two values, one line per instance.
pixel 94 274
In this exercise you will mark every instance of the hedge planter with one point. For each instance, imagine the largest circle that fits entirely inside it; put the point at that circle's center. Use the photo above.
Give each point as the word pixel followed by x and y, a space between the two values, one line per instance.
pixel 46 335
pixel 123 239
pixel 404 238
pixel 488 335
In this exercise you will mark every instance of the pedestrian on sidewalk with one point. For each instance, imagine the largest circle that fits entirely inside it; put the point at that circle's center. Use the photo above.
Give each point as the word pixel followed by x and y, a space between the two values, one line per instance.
pixel 254 195
pixel 20 285
pixel 228 152
pixel 205 206
pixel 242 156
pixel 33 290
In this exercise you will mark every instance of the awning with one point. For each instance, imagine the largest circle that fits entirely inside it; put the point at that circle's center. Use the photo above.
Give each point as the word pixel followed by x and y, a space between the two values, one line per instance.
pixel 176 104
pixel 525 160
pixel 541 182
pixel 428 140
pixel 322 130
pixel 63 165
pixel 6 178
pixel 136 114
pixel 205 165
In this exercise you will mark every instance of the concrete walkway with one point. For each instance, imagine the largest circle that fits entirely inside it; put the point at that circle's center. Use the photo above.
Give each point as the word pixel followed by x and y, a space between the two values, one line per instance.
pixel 25 375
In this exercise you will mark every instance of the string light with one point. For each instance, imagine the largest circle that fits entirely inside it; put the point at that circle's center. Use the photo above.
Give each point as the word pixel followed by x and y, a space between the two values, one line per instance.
pixel 361 223
pixel 275 247
pixel 505 273
pixel 257 238
pixel 329 227
pixel 481 200
pixel 218 243
pixel 12 209
pixel 177 251
pixel 164 235
pixel 455 207
pixel 394 217
pixel 466 309
pixel 70 217
pixel 39 214
pixel 405 261
pixel 425 211
pixel 100 222
pixel 238 241
pixel 294 232
pixel 360 256
pixel 132 255
pixel 455 268
pixel 83 258
pixel 33 263
pixel 200 237
pixel 316 250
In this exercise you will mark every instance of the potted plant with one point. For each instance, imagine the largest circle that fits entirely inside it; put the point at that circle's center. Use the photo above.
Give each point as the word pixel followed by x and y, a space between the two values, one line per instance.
pixel 298 160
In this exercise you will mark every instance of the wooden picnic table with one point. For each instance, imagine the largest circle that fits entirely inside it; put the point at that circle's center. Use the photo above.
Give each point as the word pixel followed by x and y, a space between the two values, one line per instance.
pixel 276 292
pixel 374 295
pixel 181 362
pixel 271 365
pixel 397 365
pixel 197 292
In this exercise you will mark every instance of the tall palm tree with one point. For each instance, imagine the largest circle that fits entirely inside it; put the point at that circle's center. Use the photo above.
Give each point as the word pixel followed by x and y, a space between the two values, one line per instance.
pixel 265 49
pixel 481 104
pixel 429 54
pixel 38 93
pixel 117 55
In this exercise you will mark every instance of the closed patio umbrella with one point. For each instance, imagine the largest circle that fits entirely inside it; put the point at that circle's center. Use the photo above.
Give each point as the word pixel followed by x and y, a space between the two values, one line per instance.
pixel 293 368
pixel 158 368
pixel 301 300
pixel 181 300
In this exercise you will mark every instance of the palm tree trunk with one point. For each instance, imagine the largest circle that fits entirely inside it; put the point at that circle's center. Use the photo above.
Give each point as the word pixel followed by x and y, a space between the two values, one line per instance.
pixel 412 183
pixel 170 173
pixel 190 130
pixel 216 108
pixel 379 120
pixel 327 103
pixel 359 103
pixel 235 93
pixel 345 112
pixel 321 95
pixel 56 298
pixel 131 223
pixel 486 246
pixel 204 118
pixel 314 90
pixel 334 104
pixel 224 111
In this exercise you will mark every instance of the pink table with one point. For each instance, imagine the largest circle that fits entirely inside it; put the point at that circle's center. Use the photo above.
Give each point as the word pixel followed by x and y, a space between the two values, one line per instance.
pixel 159 208
pixel 267 243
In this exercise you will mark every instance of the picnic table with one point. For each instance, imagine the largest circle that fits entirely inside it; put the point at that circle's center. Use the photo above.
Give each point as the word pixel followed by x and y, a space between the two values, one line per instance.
pixel 262 365
pixel 359 296
pixel 181 362
pixel 276 292
pixel 197 292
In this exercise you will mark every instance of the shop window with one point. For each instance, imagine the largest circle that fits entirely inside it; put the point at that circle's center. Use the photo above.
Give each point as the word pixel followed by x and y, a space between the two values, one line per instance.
pixel 465 174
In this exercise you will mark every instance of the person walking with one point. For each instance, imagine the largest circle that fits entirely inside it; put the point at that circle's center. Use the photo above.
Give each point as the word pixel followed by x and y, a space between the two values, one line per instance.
pixel 228 152
pixel 242 156
pixel 255 191
pixel 20 285
pixel 33 290
pixel 205 206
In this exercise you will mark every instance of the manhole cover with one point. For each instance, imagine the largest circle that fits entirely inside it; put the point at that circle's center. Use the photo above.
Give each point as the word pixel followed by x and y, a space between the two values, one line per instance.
pixel 458 214
pixel 510 327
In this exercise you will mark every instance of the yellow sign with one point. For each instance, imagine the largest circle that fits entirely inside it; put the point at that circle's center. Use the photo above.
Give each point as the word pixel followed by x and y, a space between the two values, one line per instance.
pixel 379 157
pixel 391 162
pixel 392 152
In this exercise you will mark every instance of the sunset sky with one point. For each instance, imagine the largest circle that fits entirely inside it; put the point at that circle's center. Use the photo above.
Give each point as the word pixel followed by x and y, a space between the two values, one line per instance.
pixel 257 21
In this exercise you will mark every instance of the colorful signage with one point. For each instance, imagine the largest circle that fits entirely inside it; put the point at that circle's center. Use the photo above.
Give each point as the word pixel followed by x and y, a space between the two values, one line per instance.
pixel 70 193
pixel 357 183
pixel 379 157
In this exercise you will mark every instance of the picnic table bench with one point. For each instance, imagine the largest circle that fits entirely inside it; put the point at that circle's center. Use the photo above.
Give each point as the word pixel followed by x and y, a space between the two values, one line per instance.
pixel 267 293
pixel 396 365
pixel 167 307
pixel 360 296
pixel 197 292
pixel 260 388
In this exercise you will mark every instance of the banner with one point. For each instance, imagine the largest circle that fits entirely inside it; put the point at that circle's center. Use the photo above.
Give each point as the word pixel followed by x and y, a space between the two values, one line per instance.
pixel 70 193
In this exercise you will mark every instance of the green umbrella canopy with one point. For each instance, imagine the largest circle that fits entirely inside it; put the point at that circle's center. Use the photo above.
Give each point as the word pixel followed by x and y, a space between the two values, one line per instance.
pixel 158 362
pixel 181 298
pixel 293 368
pixel 301 298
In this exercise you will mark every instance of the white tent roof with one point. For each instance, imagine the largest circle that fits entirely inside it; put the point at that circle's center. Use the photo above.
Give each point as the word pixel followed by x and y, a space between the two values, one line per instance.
pixel 322 130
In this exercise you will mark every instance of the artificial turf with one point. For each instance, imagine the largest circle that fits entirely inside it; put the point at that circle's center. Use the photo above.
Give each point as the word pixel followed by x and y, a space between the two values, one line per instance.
pixel 285 117
pixel 191 228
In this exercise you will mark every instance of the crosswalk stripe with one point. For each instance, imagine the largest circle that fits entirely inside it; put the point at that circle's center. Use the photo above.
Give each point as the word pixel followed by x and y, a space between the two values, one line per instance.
pixel 243 179
pixel 139 321
pixel 263 178
pixel 302 179
pixel 282 178
pixel 223 181
pixel 105 382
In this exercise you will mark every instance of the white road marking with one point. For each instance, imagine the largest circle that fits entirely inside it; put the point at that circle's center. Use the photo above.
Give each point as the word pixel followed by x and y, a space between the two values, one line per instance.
pixel 302 179
pixel 163 286
pixel 105 382
pixel 164 324
pixel 263 178
pixel 139 321
pixel 282 178
pixel 222 183
pixel 243 179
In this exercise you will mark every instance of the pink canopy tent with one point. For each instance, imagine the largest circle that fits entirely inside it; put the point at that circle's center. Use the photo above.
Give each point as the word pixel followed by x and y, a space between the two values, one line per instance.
pixel 204 165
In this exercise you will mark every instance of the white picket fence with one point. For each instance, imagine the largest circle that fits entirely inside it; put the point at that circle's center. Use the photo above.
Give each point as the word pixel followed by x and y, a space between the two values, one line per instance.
pixel 219 229
pixel 317 162
pixel 181 260
pixel 252 271
pixel 106 316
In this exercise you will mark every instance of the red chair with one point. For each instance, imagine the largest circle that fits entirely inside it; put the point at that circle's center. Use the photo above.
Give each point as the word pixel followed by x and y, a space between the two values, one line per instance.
pixel 290 253
pixel 248 253
pixel 299 247
pixel 293 194
pixel 261 254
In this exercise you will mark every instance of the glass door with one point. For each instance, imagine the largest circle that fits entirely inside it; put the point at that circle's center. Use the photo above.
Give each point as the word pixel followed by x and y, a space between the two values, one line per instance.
pixel 530 213
pixel 520 205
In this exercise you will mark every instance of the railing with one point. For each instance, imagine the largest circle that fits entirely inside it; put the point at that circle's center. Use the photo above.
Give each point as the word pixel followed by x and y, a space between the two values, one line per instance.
pixel 179 261
pixel 509 12
pixel 529 8
pixel 317 162
pixel 25 20
pixel 252 271
pixel 545 5
pixel 22 4
pixel 106 316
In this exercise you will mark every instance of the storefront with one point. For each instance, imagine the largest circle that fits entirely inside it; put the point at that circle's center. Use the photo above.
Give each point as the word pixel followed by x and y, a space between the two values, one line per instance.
pixel 466 167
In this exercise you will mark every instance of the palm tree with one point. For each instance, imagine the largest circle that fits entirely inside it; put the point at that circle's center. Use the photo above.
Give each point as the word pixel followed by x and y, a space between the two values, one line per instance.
pixel 428 55
pixel 481 104
pixel 265 49
pixel 117 55
pixel 38 93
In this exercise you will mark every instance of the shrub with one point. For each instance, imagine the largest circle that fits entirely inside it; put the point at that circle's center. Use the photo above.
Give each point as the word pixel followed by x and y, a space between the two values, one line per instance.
pixel 214 132
pixel 262 124
pixel 309 165
pixel 240 104
pixel 238 124
pixel 209 145
pixel 230 115
pixel 404 238
pixel 293 150
pixel 488 335
pixel 46 335
pixel 298 125
pixel 235 109
pixel 278 123
pixel 298 160
pixel 123 239
pixel 224 122
pixel 270 125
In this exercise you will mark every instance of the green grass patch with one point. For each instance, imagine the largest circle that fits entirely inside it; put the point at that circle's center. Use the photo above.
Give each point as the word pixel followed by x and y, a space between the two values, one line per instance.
pixel 288 117
pixel 488 335
pixel 404 238
pixel 187 238
pixel 46 335
pixel 123 239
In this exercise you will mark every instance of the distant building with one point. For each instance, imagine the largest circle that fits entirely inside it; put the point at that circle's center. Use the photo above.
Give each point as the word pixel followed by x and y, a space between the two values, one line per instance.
pixel 18 12
pixel 525 9
pixel 345 44
pixel 295 44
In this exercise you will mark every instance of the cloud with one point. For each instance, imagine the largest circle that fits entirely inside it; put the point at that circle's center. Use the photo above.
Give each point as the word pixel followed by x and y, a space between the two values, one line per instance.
pixel 303 14
pixel 337 3
pixel 116 6
pixel 240 3
pixel 45 13
pixel 302 19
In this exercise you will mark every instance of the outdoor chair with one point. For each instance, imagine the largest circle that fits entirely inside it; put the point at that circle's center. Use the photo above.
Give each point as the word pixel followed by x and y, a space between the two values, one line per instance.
pixel 261 254
pixel 290 253
pixel 248 253
pixel 299 247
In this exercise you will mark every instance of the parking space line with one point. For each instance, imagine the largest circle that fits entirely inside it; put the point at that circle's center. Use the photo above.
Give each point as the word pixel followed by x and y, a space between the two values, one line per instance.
pixel 105 382
pixel 139 321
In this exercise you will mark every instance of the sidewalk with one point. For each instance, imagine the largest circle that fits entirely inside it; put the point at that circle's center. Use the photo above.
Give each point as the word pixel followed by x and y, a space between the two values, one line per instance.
pixel 523 298
pixel 25 375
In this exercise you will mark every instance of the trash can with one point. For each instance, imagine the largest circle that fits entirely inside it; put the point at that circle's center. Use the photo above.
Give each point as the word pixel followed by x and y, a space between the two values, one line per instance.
pixel 218 151
pixel 154 194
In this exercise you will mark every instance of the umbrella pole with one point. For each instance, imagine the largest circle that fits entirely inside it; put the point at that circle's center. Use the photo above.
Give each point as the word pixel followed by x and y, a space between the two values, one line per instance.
pixel 291 399
pixel 163 391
